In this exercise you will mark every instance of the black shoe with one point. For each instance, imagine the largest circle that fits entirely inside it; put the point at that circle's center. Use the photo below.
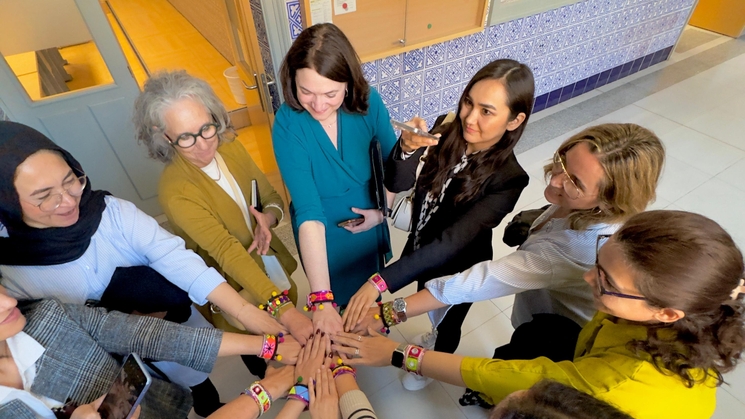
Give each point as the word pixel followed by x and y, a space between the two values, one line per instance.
pixel 473 398
pixel 206 398
pixel 255 365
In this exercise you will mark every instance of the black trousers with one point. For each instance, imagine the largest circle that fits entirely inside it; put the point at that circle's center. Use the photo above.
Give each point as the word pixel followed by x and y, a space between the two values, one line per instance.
pixel 449 329
pixel 549 335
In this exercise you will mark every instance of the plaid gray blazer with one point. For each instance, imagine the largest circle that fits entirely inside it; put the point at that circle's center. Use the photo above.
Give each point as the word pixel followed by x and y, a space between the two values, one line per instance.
pixel 77 363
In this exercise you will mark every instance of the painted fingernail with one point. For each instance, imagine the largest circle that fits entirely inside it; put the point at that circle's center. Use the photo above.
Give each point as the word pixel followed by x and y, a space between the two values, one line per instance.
pixel 323 334
pixel 318 331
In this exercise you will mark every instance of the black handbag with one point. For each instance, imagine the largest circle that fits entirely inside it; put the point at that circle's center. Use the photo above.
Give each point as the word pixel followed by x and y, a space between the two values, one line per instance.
pixel 518 230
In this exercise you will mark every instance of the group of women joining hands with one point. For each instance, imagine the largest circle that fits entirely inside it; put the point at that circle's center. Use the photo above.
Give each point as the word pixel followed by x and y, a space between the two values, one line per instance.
pixel 617 311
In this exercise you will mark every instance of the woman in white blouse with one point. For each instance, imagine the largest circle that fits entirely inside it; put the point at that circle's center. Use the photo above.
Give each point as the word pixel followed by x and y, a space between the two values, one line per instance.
pixel 598 178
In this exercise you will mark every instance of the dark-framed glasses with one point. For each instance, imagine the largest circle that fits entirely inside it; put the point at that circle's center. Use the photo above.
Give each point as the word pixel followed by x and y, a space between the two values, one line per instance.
pixel 74 187
pixel 570 188
pixel 188 139
pixel 603 284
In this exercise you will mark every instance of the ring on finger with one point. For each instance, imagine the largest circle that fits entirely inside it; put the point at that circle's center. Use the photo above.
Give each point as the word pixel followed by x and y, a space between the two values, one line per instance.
pixel 359 338
pixel 357 353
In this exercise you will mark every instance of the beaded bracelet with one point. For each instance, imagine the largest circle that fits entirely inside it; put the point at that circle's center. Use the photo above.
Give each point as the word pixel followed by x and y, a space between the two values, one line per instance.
pixel 378 282
pixel 319 297
pixel 276 302
pixel 300 392
pixel 386 323
pixel 270 346
pixel 343 369
pixel 260 396
pixel 413 359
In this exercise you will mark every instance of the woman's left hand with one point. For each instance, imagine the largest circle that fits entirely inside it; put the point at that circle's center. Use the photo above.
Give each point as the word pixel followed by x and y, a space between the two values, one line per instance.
pixel 259 321
pixel 299 324
pixel 263 232
pixel 358 305
pixel 372 218
pixel 324 399
pixel 354 349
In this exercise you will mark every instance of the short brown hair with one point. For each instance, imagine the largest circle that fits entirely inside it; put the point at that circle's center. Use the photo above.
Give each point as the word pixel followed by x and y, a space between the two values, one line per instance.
pixel 325 49
pixel 632 158
pixel 551 400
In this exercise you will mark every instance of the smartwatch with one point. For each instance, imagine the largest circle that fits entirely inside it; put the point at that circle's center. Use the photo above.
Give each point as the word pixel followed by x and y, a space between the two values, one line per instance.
pixel 399 307
pixel 397 359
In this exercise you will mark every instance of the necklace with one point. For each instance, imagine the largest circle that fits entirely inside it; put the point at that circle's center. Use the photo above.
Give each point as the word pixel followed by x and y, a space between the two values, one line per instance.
pixel 219 172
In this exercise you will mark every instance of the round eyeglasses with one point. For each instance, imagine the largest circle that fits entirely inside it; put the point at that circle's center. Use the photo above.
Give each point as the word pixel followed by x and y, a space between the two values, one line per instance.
pixel 602 282
pixel 74 188
pixel 570 188
pixel 188 139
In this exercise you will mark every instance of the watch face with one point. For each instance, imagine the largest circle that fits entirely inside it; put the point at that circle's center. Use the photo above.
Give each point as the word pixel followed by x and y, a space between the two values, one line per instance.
pixel 399 305
pixel 398 359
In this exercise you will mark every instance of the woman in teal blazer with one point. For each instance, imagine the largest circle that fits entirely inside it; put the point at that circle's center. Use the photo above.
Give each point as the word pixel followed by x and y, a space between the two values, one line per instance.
pixel 322 136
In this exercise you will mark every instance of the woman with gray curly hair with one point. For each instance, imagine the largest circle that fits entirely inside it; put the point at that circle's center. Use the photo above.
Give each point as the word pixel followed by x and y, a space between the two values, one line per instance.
pixel 206 193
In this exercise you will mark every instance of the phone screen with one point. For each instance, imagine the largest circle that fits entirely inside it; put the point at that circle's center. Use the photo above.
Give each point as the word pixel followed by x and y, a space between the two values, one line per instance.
pixel 127 391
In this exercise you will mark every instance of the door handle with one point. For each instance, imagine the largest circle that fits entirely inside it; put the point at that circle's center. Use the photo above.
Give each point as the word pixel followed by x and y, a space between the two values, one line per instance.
pixel 269 81
pixel 247 87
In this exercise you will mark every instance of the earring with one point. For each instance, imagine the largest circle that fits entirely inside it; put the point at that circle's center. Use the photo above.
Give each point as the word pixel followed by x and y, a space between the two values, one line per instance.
pixel 346 92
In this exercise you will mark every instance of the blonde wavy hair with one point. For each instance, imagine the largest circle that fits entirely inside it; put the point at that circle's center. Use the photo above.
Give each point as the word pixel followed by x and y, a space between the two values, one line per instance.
pixel 632 158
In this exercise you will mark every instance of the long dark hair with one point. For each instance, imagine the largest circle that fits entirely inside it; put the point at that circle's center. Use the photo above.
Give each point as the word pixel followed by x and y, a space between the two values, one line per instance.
pixel 687 262
pixel 519 84
pixel 325 49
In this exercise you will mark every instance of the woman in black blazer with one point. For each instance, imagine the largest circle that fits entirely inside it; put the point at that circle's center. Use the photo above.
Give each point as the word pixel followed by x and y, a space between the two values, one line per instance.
pixel 469 181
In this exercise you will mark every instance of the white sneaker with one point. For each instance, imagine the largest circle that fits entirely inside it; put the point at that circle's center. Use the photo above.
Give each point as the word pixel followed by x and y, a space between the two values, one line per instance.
pixel 413 382
pixel 426 340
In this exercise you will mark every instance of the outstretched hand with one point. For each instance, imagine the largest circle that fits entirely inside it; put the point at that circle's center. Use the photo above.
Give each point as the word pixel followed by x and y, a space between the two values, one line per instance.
pixel 358 306
pixel 372 217
pixel 375 350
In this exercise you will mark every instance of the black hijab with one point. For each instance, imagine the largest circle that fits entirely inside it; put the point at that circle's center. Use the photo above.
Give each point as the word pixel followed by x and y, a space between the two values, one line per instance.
pixel 40 246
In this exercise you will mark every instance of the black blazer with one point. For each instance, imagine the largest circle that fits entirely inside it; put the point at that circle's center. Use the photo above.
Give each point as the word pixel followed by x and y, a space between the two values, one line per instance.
pixel 457 236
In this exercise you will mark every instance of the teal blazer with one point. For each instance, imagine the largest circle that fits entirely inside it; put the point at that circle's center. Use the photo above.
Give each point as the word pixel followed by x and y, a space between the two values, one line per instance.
pixel 325 183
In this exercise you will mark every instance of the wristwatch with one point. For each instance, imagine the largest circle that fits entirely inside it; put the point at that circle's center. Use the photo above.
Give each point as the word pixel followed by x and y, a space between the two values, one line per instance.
pixel 399 307
pixel 397 359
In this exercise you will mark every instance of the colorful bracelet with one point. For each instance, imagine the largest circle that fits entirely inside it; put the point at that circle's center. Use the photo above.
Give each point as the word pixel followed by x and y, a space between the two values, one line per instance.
pixel 390 318
pixel 260 396
pixel 300 392
pixel 270 346
pixel 343 369
pixel 413 359
pixel 386 325
pixel 378 282
pixel 319 297
pixel 276 302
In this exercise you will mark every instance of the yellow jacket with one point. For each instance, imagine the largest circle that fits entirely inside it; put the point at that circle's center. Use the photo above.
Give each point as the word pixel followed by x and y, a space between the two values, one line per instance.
pixel 602 367
pixel 212 224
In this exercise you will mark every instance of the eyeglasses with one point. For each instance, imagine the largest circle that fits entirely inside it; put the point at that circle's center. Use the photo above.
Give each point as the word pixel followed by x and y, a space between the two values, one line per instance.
pixel 570 188
pixel 53 201
pixel 601 279
pixel 187 139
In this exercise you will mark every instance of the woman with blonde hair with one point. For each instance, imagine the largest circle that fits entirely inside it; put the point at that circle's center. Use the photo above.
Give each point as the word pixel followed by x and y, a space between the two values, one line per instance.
pixel 598 178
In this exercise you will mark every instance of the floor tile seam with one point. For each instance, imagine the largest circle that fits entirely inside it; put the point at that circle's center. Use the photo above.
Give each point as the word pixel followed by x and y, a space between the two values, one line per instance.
pixel 487 320
pixel 677 201
pixel 712 138
pixel 730 390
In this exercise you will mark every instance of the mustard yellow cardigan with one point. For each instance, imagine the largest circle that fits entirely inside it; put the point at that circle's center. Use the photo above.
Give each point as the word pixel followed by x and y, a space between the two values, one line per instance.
pixel 212 224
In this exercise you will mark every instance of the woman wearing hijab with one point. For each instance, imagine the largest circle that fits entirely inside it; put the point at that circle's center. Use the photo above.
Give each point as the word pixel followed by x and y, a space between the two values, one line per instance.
pixel 59 238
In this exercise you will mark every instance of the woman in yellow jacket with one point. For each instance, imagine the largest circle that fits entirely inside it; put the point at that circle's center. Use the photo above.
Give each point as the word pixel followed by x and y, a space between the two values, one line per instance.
pixel 668 289
pixel 205 191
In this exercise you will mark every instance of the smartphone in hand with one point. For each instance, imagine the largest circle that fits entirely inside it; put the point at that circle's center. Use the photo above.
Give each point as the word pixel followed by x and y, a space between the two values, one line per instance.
pixel 415 131
pixel 127 391
pixel 352 222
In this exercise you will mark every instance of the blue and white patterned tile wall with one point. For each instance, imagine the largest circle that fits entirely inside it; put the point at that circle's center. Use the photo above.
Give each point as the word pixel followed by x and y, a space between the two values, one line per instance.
pixel 294 17
pixel 266 56
pixel 565 47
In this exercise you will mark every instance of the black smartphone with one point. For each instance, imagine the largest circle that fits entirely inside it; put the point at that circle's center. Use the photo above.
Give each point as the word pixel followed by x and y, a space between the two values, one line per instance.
pixel 352 222
pixel 127 391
